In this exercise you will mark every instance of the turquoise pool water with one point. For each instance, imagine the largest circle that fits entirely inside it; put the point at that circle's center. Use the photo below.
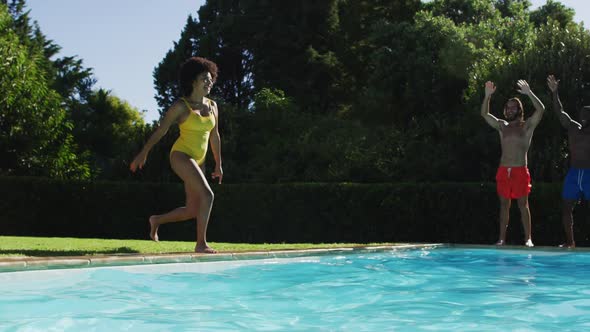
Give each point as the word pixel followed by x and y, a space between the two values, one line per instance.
pixel 441 289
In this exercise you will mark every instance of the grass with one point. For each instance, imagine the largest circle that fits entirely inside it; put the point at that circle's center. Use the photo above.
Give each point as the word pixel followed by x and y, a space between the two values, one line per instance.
pixel 14 246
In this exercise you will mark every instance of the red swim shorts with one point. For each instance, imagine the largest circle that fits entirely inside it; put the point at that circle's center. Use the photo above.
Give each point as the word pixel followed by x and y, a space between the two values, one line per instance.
pixel 513 182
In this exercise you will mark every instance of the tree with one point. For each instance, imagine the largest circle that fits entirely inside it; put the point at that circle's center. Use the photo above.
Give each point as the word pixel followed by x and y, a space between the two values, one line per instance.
pixel 512 8
pixel 108 131
pixel 166 73
pixel 355 48
pixel 35 136
pixel 263 45
pixel 364 90
pixel 292 48
pixel 214 38
pixel 420 69
pixel 462 11
pixel 555 11
pixel 65 75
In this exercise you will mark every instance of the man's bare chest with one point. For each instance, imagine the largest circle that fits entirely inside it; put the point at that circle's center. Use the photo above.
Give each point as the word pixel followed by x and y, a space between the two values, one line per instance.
pixel 514 135
pixel 579 141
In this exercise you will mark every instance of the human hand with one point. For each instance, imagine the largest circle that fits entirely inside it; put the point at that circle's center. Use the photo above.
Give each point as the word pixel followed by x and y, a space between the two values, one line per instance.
pixel 490 88
pixel 218 173
pixel 138 162
pixel 523 87
pixel 553 83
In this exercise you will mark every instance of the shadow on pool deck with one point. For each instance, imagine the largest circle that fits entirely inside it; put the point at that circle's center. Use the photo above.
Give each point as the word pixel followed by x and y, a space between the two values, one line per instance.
pixel 54 253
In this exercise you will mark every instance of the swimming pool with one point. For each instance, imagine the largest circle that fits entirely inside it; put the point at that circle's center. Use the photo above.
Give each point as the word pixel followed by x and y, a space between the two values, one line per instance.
pixel 452 289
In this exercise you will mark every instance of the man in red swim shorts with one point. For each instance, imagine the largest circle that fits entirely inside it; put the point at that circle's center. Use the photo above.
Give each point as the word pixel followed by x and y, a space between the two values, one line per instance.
pixel 513 178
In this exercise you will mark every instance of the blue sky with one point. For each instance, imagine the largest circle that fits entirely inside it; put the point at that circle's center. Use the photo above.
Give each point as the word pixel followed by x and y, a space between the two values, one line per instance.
pixel 124 40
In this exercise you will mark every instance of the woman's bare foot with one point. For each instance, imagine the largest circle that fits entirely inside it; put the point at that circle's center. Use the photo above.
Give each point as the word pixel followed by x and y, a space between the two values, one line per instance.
pixel 154 229
pixel 500 243
pixel 205 249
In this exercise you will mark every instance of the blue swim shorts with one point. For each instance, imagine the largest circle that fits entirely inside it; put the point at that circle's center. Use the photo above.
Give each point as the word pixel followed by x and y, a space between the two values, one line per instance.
pixel 576 184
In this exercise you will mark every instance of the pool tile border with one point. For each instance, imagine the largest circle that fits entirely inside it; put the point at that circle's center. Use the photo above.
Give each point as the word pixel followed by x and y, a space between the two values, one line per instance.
pixel 14 264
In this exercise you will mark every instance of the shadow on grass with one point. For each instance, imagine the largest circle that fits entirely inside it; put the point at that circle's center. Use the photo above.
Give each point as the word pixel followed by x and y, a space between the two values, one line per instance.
pixel 49 253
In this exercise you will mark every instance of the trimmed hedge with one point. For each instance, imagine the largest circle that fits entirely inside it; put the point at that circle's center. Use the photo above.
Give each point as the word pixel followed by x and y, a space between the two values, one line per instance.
pixel 274 213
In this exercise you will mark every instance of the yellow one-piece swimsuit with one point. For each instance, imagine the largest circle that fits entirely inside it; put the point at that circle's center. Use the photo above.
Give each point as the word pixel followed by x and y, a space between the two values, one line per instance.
pixel 194 134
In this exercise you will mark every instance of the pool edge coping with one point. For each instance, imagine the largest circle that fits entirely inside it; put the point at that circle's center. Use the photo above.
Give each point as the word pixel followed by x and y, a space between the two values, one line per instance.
pixel 17 264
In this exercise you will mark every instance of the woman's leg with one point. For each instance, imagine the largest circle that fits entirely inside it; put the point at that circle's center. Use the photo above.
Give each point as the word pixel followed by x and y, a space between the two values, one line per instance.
pixel 179 214
pixel 199 200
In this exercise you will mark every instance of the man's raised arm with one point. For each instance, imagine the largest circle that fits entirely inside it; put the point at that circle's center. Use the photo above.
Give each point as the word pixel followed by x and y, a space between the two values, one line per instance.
pixel 525 89
pixel 493 121
pixel 564 118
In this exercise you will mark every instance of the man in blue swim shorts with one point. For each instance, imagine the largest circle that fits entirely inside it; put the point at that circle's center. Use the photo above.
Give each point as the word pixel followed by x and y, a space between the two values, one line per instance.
pixel 576 185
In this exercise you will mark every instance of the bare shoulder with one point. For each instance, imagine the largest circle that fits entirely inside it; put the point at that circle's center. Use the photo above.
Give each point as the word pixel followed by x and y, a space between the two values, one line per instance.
pixel 177 109
pixel 179 103
pixel 502 124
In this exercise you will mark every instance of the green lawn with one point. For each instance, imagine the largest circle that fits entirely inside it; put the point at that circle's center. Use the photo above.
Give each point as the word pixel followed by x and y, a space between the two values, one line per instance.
pixel 13 246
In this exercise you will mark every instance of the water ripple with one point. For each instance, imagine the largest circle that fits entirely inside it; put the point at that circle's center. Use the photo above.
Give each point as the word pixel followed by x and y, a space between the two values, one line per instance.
pixel 437 289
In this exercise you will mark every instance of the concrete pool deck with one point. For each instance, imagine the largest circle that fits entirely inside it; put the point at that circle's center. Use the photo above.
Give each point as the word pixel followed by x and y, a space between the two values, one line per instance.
pixel 27 263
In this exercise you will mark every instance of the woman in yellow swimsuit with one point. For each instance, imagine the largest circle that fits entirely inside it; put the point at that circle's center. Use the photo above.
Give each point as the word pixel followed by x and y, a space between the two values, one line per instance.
pixel 198 119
